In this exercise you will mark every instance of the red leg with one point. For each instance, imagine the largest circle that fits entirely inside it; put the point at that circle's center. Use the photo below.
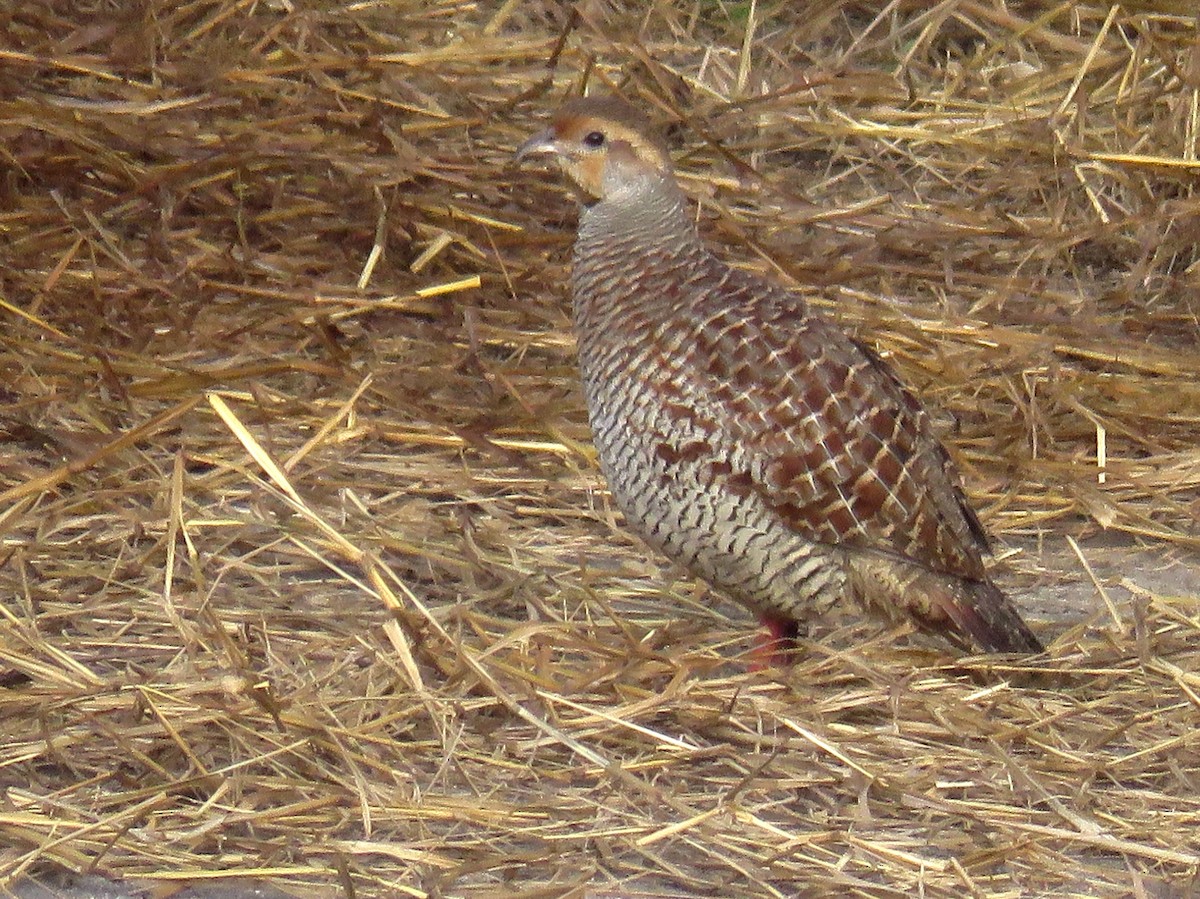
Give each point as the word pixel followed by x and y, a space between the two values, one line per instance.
pixel 777 646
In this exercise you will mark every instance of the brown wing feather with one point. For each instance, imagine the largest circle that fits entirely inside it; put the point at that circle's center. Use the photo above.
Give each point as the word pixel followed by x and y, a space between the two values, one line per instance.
pixel 982 538
pixel 832 440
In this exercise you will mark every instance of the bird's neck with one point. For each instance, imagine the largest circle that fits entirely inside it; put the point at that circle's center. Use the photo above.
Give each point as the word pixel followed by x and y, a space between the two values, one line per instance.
pixel 651 217
pixel 631 250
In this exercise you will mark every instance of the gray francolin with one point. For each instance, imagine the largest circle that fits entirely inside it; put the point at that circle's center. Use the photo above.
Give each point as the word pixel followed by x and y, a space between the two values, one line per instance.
pixel 742 434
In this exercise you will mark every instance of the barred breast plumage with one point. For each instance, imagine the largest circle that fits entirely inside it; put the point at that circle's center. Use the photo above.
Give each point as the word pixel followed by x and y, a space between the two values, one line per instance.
pixel 746 436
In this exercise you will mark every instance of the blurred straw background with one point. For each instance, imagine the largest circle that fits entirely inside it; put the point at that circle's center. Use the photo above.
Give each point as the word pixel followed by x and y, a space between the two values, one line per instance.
pixel 309 576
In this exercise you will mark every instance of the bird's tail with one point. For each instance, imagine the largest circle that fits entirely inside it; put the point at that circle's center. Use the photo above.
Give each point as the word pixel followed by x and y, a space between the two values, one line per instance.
pixel 988 617
pixel 973 611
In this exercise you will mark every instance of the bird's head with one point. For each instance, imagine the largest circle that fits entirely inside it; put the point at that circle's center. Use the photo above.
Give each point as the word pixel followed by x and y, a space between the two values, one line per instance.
pixel 604 145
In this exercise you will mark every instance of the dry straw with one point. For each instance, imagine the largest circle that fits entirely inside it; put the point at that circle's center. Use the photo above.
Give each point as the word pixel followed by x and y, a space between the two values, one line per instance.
pixel 308 574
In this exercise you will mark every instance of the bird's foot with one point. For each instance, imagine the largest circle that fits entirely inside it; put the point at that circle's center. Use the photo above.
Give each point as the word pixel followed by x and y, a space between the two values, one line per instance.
pixel 776 648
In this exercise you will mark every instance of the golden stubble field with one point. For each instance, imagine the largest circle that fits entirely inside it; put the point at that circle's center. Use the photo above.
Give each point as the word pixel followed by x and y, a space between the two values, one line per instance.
pixel 308 574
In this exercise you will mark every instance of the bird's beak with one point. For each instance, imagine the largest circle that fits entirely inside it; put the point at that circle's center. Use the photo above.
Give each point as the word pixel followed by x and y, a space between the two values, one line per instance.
pixel 541 144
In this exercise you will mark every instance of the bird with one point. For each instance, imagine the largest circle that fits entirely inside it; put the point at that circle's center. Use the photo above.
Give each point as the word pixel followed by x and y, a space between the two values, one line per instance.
pixel 743 434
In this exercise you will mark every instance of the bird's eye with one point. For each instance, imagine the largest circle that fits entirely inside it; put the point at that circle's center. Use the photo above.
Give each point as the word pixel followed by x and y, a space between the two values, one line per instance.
pixel 595 140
